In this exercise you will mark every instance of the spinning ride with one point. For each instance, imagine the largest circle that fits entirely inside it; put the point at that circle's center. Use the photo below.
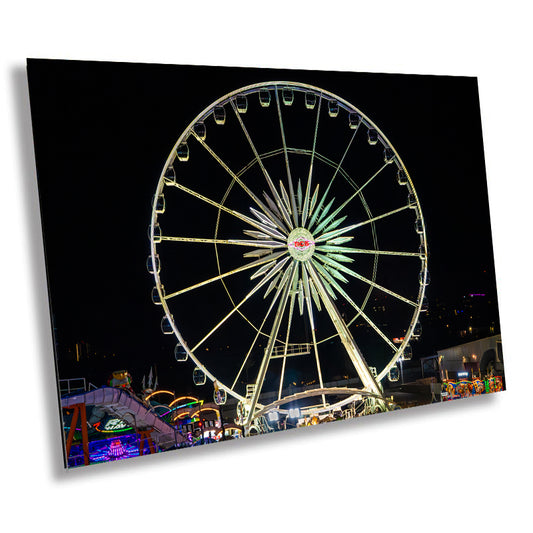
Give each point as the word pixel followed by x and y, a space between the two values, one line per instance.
pixel 289 252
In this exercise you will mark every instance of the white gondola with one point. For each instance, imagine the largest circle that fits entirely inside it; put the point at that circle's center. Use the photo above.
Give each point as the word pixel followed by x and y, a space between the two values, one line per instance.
pixel 287 95
pixel 417 330
pixel 152 265
pixel 419 226
pixel 198 376
pixel 407 354
pixel 219 113
pixel 273 416
pixel 180 353
pixel 394 374
pixel 424 306
pixel 160 204
pixel 242 103
pixel 310 100
pixel 199 129
pixel 183 152
pixel 157 233
pixel 402 177
pixel 264 97
pixel 388 155
pixel 220 396
pixel 166 326
pixel 353 120
pixel 411 200
pixel 156 298
pixel 423 277
pixel 170 176
pixel 294 412
pixel 372 136
pixel 333 108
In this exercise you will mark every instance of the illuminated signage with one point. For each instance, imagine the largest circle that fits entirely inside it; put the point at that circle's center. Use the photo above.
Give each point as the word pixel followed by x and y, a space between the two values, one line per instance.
pixel 301 243
pixel 462 374
pixel 115 424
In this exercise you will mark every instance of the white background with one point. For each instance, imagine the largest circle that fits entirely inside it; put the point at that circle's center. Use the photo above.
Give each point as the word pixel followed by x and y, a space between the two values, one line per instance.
pixel 464 465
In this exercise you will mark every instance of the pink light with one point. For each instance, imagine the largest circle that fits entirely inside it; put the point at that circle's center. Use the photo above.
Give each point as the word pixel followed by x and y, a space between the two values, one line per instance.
pixel 116 449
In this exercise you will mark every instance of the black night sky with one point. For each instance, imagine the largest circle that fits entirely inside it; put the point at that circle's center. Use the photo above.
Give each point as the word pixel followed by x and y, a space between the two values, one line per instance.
pixel 102 133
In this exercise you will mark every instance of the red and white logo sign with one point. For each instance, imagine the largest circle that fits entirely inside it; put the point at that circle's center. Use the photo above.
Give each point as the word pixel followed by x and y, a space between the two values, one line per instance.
pixel 301 243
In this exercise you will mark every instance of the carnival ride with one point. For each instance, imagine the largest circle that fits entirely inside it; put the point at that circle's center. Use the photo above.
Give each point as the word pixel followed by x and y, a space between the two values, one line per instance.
pixel 464 388
pixel 264 233
pixel 112 423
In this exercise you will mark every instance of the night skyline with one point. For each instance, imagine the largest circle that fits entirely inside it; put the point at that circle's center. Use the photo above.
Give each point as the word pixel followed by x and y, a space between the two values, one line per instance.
pixel 103 131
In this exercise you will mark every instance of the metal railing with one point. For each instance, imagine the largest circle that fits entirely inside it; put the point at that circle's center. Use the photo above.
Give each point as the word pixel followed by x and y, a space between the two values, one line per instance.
pixel 72 385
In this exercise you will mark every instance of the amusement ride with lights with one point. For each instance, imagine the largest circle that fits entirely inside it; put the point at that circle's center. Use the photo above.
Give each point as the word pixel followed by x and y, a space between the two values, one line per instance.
pixel 283 216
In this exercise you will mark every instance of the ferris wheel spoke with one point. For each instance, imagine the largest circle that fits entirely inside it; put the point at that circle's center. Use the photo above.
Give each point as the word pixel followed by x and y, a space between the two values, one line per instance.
pixel 342 268
pixel 357 193
pixel 328 278
pixel 264 262
pixel 379 217
pixel 259 332
pixel 265 280
pixel 347 250
pixel 305 210
pixel 244 218
pixel 329 224
pixel 289 177
pixel 270 183
pixel 319 215
pixel 338 232
pixel 272 338
pixel 289 323
pixel 237 180
pixel 345 336
pixel 237 242
pixel 307 297
pixel 366 318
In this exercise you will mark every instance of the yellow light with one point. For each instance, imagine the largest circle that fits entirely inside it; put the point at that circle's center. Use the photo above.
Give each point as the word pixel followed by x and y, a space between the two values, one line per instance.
pixel 182 398
pixel 159 392
pixel 205 409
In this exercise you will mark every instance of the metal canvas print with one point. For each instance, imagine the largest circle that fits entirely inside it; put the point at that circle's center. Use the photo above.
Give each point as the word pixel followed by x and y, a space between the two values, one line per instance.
pixel 238 251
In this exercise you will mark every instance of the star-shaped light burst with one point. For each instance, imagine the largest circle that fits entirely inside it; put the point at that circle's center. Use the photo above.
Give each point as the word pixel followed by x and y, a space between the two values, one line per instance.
pixel 311 238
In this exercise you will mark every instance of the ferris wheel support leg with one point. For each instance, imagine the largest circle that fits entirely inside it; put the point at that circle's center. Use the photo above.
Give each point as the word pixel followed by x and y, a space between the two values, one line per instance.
pixel 347 340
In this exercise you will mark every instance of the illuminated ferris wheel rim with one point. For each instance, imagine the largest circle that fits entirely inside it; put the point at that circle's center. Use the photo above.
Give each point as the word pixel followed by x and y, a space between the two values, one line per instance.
pixel 278 86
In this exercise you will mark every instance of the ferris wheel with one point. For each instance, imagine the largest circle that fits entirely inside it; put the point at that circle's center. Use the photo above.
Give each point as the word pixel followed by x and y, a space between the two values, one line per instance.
pixel 289 254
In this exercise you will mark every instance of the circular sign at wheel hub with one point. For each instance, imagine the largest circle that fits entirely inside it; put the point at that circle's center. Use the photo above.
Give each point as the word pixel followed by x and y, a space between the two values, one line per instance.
pixel 301 244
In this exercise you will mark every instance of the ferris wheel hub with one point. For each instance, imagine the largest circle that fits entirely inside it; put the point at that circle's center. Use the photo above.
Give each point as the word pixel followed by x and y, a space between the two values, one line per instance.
pixel 301 244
